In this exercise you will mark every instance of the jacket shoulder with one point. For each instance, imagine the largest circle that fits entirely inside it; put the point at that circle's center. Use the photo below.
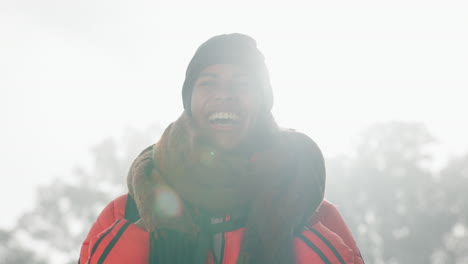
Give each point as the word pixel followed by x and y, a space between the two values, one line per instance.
pixel 123 242
pixel 113 211
pixel 328 215
pixel 318 244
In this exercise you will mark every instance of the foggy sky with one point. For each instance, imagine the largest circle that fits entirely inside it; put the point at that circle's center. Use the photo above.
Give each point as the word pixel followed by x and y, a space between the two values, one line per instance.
pixel 75 72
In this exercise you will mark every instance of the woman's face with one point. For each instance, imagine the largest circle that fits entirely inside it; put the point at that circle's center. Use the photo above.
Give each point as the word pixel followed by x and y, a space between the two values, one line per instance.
pixel 225 105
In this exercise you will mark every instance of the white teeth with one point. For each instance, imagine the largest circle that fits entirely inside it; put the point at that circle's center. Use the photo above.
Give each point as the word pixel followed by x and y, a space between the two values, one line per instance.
pixel 223 115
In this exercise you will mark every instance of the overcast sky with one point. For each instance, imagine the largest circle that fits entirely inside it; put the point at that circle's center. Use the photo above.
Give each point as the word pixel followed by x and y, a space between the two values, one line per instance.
pixel 75 72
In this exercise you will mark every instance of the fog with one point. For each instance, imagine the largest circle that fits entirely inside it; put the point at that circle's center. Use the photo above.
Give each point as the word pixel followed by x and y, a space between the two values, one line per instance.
pixel 74 73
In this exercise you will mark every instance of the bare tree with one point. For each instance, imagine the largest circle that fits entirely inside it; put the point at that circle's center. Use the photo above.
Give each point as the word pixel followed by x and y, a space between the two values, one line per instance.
pixel 67 207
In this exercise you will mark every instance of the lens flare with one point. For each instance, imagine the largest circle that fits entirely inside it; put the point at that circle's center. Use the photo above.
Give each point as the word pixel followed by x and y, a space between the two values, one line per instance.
pixel 168 203
pixel 207 157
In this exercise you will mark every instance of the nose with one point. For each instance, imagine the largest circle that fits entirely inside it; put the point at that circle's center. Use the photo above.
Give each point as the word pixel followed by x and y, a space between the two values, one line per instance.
pixel 225 93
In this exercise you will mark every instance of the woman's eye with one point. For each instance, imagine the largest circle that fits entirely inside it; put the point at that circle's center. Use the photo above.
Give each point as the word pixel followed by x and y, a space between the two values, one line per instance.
pixel 241 85
pixel 207 83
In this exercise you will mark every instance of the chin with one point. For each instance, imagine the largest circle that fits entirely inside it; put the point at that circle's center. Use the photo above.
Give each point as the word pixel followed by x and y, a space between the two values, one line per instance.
pixel 228 143
pixel 228 146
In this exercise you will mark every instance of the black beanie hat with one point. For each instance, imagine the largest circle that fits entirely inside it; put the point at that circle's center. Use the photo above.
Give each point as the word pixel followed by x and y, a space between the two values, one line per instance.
pixel 237 49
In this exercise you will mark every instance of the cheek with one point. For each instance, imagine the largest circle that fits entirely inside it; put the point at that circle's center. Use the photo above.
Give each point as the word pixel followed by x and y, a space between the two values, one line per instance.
pixel 196 103
pixel 197 109
pixel 252 104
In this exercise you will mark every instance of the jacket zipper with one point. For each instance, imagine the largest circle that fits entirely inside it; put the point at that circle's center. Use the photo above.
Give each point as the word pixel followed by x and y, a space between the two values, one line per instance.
pixel 220 260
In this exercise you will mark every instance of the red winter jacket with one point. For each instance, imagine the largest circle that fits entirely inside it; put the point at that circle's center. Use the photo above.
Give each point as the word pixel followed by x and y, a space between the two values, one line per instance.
pixel 113 239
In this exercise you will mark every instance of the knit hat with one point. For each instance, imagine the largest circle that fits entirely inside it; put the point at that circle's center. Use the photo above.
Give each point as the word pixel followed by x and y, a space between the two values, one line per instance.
pixel 237 49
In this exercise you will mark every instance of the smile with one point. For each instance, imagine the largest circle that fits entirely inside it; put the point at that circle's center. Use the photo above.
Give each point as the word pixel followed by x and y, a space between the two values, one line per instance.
pixel 223 120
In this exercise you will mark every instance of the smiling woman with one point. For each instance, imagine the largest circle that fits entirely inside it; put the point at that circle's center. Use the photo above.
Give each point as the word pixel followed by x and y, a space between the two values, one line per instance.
pixel 227 90
pixel 224 184
pixel 224 105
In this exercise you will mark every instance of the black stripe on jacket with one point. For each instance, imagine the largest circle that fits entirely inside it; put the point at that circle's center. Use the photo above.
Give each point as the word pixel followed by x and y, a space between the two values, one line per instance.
pixel 329 244
pixel 315 248
pixel 102 237
pixel 112 243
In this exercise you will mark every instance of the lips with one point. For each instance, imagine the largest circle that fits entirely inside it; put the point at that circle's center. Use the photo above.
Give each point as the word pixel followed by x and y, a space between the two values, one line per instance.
pixel 224 120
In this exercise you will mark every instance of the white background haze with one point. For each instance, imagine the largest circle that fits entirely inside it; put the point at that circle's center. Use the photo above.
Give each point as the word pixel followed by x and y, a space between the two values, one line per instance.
pixel 73 73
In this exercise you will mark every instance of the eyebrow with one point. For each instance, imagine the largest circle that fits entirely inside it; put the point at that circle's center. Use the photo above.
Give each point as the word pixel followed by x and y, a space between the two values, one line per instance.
pixel 208 75
pixel 214 75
